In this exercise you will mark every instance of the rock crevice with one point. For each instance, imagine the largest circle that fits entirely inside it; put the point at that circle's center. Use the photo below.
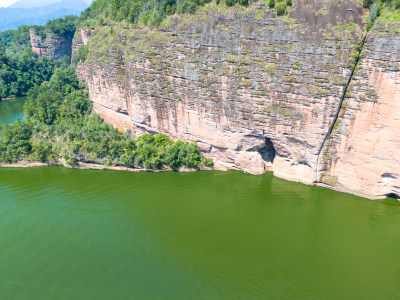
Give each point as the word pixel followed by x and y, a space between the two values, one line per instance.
pixel 359 50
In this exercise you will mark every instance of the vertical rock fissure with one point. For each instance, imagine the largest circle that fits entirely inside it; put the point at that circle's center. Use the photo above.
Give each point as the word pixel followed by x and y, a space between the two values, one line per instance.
pixel 336 117
pixel 122 67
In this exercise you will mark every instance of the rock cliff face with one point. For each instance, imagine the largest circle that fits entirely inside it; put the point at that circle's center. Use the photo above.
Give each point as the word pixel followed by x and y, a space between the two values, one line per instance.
pixel 255 91
pixel 50 46
pixel 362 154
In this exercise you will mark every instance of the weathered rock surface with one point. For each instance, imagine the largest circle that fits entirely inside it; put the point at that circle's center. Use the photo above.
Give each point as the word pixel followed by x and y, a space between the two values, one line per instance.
pixel 255 91
pixel 51 46
pixel 363 154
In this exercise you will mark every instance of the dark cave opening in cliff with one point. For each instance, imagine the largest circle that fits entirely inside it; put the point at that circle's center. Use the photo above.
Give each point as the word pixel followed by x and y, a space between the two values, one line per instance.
pixel 393 195
pixel 268 152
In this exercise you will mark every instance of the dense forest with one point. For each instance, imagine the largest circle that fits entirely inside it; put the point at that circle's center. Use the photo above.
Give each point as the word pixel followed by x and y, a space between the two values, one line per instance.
pixel 62 27
pixel 147 12
pixel 379 7
pixel 59 125
pixel 20 67
pixel 152 12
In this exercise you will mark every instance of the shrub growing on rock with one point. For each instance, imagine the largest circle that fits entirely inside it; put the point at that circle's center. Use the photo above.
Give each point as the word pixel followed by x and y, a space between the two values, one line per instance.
pixel 281 8
pixel 367 3
pixel 271 3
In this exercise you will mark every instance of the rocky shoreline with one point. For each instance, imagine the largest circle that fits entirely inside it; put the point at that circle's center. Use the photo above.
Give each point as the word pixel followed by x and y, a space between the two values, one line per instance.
pixel 95 166
pixel 216 167
pixel 8 99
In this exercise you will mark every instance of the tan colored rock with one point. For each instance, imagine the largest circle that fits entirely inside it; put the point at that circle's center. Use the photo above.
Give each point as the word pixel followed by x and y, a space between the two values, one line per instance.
pixel 364 154
pixel 257 92
pixel 50 46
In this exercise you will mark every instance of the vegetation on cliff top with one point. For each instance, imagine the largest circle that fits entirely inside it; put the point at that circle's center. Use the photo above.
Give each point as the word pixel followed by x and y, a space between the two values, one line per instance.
pixel 61 27
pixel 20 67
pixel 152 13
pixel 59 124
pixel 149 13
pixel 380 7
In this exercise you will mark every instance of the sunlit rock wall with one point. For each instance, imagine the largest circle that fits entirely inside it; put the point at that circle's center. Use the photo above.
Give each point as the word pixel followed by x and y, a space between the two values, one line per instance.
pixel 363 154
pixel 254 90
pixel 260 92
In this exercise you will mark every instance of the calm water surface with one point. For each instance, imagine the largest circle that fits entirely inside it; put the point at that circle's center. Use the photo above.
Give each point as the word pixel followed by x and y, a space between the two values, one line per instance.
pixel 71 234
pixel 11 110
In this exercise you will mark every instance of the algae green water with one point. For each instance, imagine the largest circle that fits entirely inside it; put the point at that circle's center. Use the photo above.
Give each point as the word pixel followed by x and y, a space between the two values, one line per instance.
pixel 73 234
pixel 11 110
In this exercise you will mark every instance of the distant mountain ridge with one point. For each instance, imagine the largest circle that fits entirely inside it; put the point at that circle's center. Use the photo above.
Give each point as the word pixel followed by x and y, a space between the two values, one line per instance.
pixel 12 17
pixel 32 3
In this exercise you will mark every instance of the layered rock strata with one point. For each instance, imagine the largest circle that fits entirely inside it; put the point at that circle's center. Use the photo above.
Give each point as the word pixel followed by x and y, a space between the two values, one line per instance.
pixel 51 46
pixel 363 152
pixel 255 91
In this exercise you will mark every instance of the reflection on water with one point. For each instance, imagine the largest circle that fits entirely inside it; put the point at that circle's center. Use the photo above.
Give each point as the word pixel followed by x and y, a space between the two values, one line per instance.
pixel 71 234
pixel 11 110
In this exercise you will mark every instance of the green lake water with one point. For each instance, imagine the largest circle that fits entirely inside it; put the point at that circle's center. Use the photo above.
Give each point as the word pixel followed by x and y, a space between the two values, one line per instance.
pixel 11 110
pixel 85 234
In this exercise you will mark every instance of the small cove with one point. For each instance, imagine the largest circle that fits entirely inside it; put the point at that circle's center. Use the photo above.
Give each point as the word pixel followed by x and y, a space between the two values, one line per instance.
pixel 11 110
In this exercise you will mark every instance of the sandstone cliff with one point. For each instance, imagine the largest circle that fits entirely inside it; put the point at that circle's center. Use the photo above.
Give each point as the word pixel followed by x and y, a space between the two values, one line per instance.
pixel 362 154
pixel 259 92
pixel 51 46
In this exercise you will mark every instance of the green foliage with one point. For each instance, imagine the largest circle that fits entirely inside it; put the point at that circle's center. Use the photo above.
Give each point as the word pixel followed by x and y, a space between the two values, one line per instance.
pixel 150 13
pixel 14 142
pixel 6 37
pixel 233 2
pixel 281 8
pixel 62 27
pixel 367 3
pixel 22 37
pixel 39 31
pixel 80 55
pixel 381 7
pixel 289 2
pixel 72 161
pixel 59 124
pixel 161 140
pixel 271 3
pixel 22 70
pixel 42 151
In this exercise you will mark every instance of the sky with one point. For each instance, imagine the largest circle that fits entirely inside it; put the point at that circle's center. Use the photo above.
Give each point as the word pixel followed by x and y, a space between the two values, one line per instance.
pixel 5 3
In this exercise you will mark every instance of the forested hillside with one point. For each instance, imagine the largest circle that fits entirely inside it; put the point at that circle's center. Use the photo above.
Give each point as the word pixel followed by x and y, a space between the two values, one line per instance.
pixel 20 67
pixel 59 125
pixel 153 12
pixel 146 12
